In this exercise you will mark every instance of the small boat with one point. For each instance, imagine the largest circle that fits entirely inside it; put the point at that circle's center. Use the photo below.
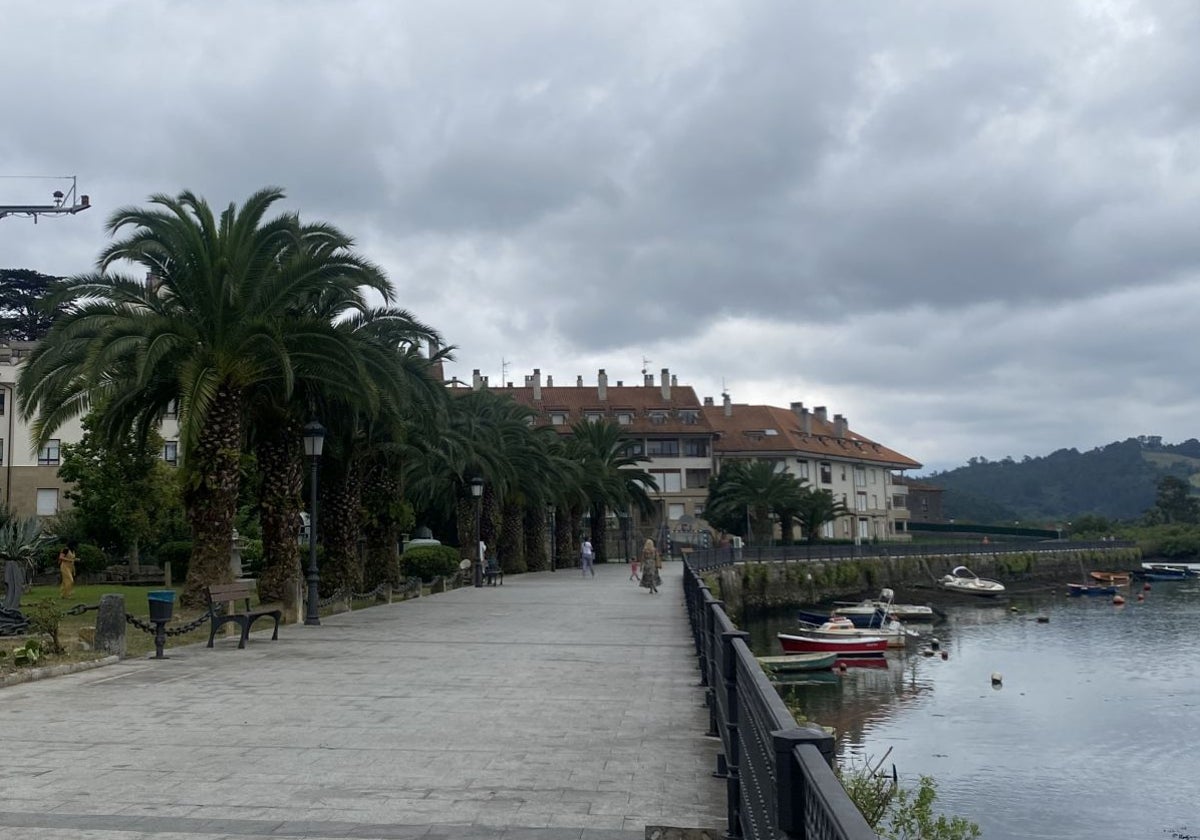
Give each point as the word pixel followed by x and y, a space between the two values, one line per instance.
pixel 965 582
pixel 1192 568
pixel 1077 589
pixel 1114 578
pixel 795 662
pixel 839 626
pixel 842 646
pixel 885 605
pixel 1155 571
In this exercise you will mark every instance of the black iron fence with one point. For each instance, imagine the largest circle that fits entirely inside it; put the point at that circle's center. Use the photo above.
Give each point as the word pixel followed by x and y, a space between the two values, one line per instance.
pixel 714 557
pixel 779 776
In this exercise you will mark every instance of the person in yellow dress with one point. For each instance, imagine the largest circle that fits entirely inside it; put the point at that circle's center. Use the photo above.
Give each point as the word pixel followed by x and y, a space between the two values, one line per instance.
pixel 66 570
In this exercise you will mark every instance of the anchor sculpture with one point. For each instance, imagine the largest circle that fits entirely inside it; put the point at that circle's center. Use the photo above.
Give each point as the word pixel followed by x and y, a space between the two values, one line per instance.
pixel 12 621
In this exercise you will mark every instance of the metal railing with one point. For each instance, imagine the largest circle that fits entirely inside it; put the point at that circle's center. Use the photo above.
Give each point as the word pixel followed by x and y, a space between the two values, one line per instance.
pixel 714 557
pixel 779 777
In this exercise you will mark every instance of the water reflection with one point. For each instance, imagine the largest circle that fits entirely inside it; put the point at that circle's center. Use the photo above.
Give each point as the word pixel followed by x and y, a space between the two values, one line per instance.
pixel 1092 734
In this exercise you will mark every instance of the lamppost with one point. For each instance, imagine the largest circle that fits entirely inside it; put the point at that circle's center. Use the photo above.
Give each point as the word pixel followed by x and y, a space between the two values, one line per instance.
pixel 553 538
pixel 623 518
pixel 477 492
pixel 314 442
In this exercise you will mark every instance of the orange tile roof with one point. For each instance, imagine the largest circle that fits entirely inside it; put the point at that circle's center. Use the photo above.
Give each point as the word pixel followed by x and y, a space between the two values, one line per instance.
pixel 746 430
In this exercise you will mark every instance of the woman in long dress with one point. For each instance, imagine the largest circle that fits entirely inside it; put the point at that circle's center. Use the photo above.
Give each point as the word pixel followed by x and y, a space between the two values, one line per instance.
pixel 650 578
pixel 66 569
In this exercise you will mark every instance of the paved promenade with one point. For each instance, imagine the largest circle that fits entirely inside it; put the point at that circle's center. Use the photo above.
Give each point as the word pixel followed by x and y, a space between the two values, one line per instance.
pixel 551 707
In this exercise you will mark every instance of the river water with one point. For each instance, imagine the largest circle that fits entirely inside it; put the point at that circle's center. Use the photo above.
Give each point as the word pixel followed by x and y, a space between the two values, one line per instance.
pixel 1093 733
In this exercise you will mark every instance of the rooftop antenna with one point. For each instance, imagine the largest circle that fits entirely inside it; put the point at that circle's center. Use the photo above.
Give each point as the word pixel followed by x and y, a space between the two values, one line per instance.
pixel 645 362
pixel 503 371
pixel 65 204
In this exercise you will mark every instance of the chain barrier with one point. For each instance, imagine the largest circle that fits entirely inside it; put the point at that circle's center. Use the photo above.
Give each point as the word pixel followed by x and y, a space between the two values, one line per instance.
pixel 80 609
pixel 149 627
pixel 342 595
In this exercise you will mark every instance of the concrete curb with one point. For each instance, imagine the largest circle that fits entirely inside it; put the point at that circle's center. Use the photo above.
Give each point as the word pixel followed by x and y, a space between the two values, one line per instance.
pixel 55 671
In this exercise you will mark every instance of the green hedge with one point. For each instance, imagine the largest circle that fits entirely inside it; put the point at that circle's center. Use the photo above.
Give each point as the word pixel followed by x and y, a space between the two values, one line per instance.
pixel 90 559
pixel 430 561
pixel 178 553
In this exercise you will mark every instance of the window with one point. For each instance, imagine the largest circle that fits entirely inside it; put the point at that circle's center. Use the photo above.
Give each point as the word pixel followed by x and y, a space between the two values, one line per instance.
pixel 624 418
pixel 860 476
pixel 698 508
pixel 172 409
pixel 864 529
pixel 47 501
pixel 826 472
pixel 874 502
pixel 674 511
pixel 635 447
pixel 171 452
pixel 696 479
pixel 860 501
pixel 557 418
pixel 843 472
pixel 668 480
pixel 594 416
pixel 48 454
pixel 874 476
pixel 3 404
pixel 801 468
pixel 658 417
pixel 695 447
pixel 900 502
pixel 662 447
pixel 689 417
pixel 827 530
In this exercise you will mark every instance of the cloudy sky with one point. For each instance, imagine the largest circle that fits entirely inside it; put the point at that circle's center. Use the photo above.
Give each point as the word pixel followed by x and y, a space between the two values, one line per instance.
pixel 972 228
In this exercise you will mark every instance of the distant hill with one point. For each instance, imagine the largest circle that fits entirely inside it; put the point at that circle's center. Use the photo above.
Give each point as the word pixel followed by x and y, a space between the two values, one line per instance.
pixel 1116 481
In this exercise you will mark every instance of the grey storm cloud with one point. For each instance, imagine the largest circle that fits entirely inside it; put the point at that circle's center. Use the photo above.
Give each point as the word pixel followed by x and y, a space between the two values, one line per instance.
pixel 968 226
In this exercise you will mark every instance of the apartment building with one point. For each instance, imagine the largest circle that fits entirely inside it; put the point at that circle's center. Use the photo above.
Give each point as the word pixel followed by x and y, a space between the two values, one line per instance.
pixel 825 453
pixel 29 481
pixel 663 420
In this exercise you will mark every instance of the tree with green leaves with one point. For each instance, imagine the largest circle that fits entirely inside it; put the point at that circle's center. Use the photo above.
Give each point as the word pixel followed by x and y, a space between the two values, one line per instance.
pixel 1174 503
pixel 752 492
pixel 123 494
pixel 27 305
pixel 216 320
pixel 817 507
pixel 611 477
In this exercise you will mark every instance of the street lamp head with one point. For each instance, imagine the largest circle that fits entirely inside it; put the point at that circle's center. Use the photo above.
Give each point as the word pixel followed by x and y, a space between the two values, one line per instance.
pixel 314 439
pixel 477 487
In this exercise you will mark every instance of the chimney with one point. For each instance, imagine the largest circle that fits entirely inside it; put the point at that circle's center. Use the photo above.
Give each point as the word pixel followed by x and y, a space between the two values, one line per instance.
pixel 821 414
pixel 805 421
pixel 708 402
pixel 476 380
pixel 674 381
pixel 840 425
pixel 578 381
pixel 549 381
pixel 728 405
pixel 602 385
pixel 436 371
pixel 537 384
pixel 648 380
pixel 666 385
pixel 620 383
pixel 484 381
pixel 797 408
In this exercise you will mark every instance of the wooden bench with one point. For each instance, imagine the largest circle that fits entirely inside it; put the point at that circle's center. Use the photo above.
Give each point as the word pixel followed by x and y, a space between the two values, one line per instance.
pixel 230 595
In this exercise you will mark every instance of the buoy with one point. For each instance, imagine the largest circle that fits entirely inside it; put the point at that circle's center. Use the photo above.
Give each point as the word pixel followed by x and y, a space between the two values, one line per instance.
pixel 934 644
pixel 945 654
pixel 927 652
pixel 1043 619
pixel 1141 597
pixel 997 678
pixel 841 665
pixel 1013 609
pixel 1118 600
pixel 1145 587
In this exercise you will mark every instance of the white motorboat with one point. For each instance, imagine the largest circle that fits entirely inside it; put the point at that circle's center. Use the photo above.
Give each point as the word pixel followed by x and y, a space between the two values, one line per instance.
pixel 965 582
pixel 884 605
pixel 841 627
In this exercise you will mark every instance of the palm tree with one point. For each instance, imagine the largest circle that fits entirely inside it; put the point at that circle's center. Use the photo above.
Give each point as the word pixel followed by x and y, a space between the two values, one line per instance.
pixel 612 479
pixel 753 490
pixel 815 509
pixel 217 320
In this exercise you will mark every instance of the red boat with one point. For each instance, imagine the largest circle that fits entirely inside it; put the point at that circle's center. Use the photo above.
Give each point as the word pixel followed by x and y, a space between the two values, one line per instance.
pixel 851 646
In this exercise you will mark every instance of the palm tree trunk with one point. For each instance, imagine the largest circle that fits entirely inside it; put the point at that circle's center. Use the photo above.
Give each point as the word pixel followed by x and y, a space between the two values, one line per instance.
pixel 510 546
pixel 534 527
pixel 599 540
pixel 281 470
pixel 214 470
pixel 338 524
pixel 464 508
pixel 381 557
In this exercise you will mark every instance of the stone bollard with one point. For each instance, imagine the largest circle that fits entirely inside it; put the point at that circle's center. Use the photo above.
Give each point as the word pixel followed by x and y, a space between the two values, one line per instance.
pixel 110 625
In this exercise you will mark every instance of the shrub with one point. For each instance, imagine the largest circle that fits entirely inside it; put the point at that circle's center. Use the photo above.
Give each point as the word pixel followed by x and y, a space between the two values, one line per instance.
pixel 430 561
pixel 45 617
pixel 89 559
pixel 252 556
pixel 178 553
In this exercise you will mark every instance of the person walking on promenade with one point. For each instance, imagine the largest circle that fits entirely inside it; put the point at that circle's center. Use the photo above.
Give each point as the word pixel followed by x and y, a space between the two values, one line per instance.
pixel 633 568
pixel 66 570
pixel 650 561
pixel 586 556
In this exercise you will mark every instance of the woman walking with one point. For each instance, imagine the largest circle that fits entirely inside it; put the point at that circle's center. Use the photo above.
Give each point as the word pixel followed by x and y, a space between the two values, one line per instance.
pixel 650 578
pixel 66 570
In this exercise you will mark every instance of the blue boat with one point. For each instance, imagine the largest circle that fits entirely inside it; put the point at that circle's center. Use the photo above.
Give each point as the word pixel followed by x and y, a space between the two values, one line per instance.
pixel 1077 589
pixel 1162 573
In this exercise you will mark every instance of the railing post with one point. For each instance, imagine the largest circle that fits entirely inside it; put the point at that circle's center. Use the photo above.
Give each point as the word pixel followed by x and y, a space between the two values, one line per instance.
pixel 790 794
pixel 733 748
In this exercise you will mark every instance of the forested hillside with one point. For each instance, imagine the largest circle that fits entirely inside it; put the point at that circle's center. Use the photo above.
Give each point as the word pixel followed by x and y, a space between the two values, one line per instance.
pixel 1116 481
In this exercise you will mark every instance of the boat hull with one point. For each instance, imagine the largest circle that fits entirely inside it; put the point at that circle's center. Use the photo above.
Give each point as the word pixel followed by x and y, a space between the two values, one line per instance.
pixel 1080 589
pixel 866 646
pixel 1114 578
pixel 798 662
